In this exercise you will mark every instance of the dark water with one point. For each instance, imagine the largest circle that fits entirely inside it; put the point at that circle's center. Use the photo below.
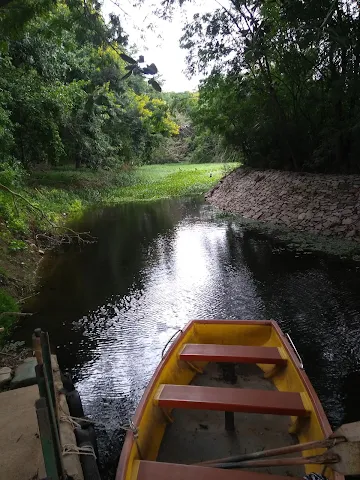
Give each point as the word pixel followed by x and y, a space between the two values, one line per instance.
pixel 110 307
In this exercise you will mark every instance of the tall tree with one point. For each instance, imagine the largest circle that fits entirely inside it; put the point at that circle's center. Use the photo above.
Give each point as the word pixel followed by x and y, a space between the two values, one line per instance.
pixel 283 80
pixel 69 91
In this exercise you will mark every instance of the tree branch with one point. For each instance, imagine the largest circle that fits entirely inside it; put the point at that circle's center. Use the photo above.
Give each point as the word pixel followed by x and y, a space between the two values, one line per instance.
pixel 34 207
pixel 233 18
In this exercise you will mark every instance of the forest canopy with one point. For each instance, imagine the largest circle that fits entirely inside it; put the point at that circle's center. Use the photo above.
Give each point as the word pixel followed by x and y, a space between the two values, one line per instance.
pixel 70 91
pixel 283 82
pixel 281 88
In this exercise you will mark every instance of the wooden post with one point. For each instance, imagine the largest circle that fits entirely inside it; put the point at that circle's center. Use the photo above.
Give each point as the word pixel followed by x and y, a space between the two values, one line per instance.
pixel 36 345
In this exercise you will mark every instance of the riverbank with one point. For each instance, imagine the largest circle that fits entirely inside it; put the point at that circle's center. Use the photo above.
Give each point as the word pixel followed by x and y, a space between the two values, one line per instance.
pixel 46 199
pixel 326 208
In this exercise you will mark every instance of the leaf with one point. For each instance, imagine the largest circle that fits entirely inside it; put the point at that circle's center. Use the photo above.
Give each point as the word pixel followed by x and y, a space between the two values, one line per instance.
pixel 126 75
pixel 141 59
pixel 150 69
pixel 89 105
pixel 127 58
pixel 155 85
pixel 153 67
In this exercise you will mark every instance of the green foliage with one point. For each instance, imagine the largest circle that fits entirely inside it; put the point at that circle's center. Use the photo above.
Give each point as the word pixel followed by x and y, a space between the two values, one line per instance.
pixel 162 181
pixel 13 218
pixel 208 146
pixel 69 179
pixel 7 304
pixel 11 173
pixel 194 143
pixel 70 191
pixel 284 83
pixel 171 150
pixel 3 272
pixel 63 195
pixel 63 96
pixel 17 246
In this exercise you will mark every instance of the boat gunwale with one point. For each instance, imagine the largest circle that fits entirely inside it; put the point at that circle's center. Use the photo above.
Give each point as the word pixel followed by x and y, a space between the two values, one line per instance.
pixel 318 408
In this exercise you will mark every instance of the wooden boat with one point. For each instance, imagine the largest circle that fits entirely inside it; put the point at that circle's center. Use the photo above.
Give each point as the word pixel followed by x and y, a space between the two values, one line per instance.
pixel 215 366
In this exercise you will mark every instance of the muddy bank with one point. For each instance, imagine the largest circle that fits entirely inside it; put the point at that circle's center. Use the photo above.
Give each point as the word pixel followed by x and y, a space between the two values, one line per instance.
pixel 327 205
pixel 18 273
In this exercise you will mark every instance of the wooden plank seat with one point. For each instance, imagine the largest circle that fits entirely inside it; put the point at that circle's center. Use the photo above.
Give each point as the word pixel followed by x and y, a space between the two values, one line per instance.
pixel 231 354
pixel 230 400
pixel 164 471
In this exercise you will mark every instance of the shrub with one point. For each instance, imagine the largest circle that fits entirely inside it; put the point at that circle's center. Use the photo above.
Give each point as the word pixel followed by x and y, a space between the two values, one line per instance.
pixel 7 304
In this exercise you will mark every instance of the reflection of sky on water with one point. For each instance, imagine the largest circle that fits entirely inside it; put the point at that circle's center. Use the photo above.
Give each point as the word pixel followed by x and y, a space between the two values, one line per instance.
pixel 182 280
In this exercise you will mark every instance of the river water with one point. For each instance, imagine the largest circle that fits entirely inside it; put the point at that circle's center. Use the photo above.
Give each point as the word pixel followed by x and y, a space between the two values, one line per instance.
pixel 111 306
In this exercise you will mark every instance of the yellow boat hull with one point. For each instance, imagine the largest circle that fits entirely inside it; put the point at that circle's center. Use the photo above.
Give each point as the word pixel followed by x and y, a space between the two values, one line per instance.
pixel 150 421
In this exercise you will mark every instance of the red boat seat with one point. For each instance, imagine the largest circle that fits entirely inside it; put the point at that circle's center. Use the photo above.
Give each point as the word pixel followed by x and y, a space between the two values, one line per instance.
pixel 231 353
pixel 230 400
pixel 165 471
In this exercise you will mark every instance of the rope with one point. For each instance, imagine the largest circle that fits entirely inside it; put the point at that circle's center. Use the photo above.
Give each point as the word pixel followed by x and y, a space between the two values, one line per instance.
pixel 71 420
pixel 131 428
pixel 171 338
pixel 74 421
pixel 70 449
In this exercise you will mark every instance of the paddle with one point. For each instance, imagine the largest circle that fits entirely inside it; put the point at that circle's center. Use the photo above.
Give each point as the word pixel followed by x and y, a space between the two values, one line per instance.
pixel 343 453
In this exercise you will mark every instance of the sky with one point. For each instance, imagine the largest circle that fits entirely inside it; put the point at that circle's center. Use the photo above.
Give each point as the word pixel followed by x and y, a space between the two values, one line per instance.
pixel 165 52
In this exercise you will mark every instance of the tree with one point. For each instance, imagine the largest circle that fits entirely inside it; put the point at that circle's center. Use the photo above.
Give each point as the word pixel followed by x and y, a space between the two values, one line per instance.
pixel 283 80
pixel 65 91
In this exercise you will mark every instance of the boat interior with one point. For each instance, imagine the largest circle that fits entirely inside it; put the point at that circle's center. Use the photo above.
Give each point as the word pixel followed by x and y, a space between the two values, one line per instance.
pixel 224 388
pixel 199 435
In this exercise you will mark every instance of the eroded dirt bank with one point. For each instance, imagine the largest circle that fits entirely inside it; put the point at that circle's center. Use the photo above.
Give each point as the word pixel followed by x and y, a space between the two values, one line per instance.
pixel 316 203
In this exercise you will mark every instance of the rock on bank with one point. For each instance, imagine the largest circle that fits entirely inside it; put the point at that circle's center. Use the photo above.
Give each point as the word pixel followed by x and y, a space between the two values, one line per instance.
pixel 317 203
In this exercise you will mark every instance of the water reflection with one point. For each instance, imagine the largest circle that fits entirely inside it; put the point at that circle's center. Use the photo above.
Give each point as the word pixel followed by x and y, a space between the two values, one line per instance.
pixel 111 307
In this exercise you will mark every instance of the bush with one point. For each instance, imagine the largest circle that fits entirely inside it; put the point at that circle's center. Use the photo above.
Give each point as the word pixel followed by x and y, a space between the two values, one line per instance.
pixel 209 147
pixel 171 150
pixel 7 304
pixel 11 173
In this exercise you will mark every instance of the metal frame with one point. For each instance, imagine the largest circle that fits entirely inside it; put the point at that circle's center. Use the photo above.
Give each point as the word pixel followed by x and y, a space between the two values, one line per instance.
pixel 295 350
pixel 46 408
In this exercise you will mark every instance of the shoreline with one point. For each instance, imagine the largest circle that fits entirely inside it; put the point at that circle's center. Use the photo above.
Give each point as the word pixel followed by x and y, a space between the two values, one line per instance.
pixel 301 242
pixel 315 212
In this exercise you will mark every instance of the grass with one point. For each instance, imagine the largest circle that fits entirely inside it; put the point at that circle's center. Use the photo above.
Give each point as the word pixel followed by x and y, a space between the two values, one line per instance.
pixel 7 304
pixel 148 182
pixel 161 181
pixel 67 193
pixel 82 179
